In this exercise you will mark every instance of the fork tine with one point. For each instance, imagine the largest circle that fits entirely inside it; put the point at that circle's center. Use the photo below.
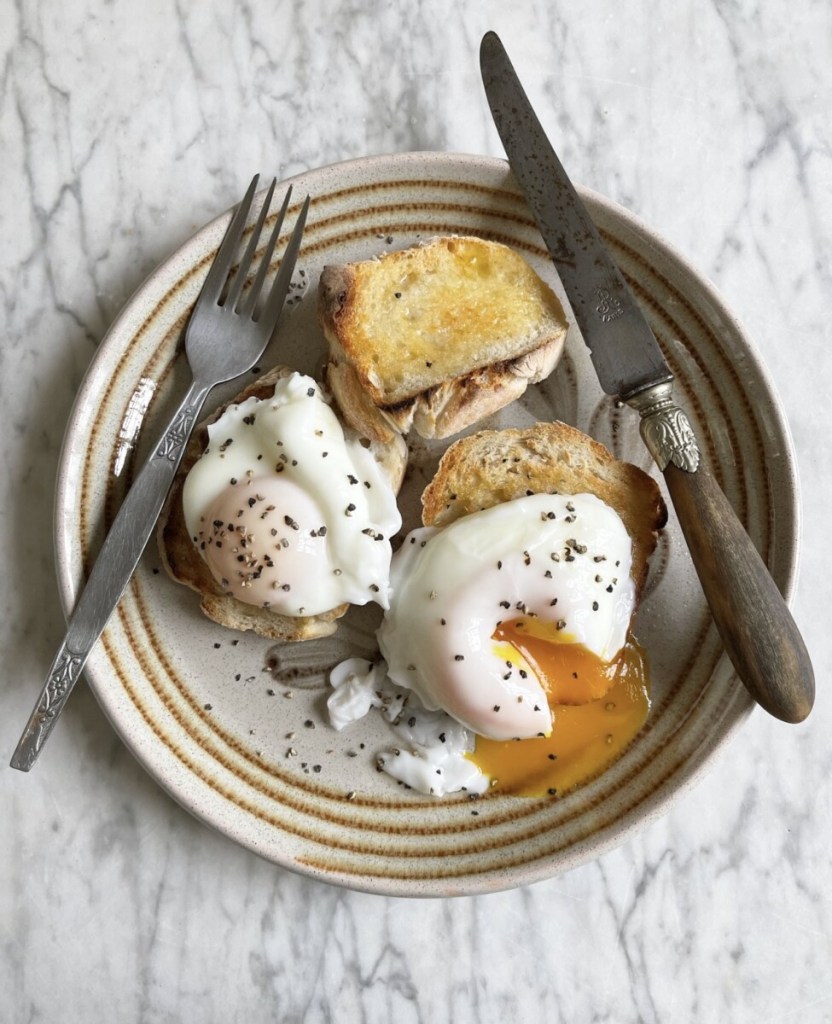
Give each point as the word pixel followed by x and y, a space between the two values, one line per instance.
pixel 254 293
pixel 236 286
pixel 274 303
pixel 212 288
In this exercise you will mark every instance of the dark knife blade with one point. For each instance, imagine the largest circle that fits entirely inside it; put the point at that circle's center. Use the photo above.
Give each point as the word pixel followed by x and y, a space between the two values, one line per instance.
pixel 624 351
pixel 756 627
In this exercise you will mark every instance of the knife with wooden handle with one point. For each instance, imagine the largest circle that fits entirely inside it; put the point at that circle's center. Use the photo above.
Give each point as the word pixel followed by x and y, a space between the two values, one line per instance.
pixel 756 627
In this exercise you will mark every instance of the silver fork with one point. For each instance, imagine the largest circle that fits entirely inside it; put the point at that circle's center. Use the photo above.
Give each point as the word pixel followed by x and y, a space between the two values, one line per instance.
pixel 224 338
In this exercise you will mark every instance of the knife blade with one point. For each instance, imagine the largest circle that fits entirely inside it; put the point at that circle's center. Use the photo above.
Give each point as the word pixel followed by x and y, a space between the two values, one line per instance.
pixel 757 630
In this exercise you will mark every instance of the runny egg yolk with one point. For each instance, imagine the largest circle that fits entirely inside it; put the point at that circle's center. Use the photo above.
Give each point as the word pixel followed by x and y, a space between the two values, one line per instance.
pixel 597 709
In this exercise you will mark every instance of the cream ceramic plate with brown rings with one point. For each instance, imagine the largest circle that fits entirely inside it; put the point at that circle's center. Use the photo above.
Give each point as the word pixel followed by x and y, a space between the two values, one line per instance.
pixel 234 728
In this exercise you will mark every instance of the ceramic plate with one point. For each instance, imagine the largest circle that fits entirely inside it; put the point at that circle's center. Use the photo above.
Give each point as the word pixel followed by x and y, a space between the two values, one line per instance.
pixel 213 714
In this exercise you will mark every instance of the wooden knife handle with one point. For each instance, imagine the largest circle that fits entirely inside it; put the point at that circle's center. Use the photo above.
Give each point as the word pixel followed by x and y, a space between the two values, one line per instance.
pixel 756 627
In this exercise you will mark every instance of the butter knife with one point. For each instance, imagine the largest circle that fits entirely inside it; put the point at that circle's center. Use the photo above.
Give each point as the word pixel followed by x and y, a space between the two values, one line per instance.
pixel 756 627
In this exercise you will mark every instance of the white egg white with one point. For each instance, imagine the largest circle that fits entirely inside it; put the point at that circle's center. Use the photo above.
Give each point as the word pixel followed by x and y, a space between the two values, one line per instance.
pixel 287 511
pixel 429 755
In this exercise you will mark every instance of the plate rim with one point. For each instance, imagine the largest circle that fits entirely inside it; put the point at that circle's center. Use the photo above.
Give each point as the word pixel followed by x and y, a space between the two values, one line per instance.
pixel 662 797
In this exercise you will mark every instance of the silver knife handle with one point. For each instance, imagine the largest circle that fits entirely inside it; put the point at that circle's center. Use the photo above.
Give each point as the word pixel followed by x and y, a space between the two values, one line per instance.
pixel 755 625
pixel 665 428
pixel 113 568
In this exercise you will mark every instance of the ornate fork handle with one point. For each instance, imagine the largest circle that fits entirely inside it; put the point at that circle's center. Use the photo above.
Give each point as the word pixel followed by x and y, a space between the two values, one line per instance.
pixel 172 445
pixel 113 568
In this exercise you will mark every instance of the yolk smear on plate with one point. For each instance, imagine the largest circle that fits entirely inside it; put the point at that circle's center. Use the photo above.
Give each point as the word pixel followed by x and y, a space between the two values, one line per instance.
pixel 597 707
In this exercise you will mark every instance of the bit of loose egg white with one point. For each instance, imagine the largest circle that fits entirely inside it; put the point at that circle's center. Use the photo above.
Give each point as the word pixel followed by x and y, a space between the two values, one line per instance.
pixel 430 755
pixel 356 685
pixel 562 558
pixel 287 511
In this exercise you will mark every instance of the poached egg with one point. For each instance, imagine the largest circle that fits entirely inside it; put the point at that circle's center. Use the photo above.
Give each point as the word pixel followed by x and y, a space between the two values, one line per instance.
pixel 287 511
pixel 470 600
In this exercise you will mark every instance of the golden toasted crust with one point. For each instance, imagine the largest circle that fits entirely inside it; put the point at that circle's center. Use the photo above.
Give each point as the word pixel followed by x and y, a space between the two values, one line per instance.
pixel 494 466
pixel 184 564
pixel 437 336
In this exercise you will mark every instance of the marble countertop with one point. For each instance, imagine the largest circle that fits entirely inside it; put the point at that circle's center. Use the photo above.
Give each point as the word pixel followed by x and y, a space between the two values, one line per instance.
pixel 124 127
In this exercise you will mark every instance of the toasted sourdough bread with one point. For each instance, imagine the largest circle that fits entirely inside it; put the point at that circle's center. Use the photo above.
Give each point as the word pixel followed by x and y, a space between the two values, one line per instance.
pixel 437 336
pixel 184 564
pixel 495 466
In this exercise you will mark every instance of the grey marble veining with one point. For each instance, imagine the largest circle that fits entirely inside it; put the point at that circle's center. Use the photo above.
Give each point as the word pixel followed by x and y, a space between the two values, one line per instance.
pixel 123 128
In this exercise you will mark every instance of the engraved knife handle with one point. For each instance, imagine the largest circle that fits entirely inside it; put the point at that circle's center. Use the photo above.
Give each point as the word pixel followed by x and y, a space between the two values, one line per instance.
pixel 757 629
pixel 111 573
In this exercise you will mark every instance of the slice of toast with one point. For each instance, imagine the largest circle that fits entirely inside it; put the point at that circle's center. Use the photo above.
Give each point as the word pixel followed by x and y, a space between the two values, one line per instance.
pixel 437 336
pixel 494 466
pixel 184 564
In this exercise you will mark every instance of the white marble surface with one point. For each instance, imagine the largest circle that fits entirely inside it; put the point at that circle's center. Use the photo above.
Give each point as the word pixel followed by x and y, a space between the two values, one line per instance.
pixel 125 126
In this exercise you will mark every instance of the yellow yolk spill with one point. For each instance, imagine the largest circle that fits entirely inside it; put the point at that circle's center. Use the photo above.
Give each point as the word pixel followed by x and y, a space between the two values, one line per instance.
pixel 597 707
